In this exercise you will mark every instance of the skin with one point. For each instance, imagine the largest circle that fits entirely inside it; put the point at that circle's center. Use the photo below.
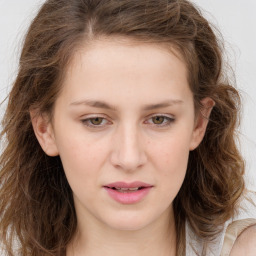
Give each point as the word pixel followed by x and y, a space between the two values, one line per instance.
pixel 127 144
pixel 245 244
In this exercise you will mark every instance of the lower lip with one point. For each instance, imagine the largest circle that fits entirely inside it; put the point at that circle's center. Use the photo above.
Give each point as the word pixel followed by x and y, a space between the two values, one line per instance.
pixel 128 197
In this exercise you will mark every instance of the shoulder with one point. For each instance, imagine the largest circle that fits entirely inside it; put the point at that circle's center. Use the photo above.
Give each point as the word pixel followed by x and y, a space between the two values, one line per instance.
pixel 245 244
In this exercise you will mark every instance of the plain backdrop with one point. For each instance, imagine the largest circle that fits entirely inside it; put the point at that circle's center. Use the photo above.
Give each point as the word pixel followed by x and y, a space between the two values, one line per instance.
pixel 236 20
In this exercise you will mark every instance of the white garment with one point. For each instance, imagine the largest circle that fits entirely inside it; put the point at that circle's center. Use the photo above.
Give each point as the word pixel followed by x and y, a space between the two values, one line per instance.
pixel 222 245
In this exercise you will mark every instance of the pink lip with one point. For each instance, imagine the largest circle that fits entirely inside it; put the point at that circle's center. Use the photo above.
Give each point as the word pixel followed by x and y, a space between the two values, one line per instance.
pixel 128 197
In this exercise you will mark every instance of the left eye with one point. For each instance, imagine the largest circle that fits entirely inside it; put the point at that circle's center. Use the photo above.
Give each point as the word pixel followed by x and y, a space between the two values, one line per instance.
pixel 161 120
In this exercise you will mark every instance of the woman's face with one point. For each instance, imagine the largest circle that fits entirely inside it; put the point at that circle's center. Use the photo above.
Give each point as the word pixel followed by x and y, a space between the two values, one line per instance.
pixel 123 126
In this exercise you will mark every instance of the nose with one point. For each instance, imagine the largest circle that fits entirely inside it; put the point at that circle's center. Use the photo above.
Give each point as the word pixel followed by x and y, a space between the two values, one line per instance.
pixel 128 149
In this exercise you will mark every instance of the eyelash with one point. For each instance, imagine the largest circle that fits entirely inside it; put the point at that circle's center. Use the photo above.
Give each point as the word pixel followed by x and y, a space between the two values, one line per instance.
pixel 168 121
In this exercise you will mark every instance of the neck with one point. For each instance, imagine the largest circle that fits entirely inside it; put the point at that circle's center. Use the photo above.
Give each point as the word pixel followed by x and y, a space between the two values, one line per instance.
pixel 158 238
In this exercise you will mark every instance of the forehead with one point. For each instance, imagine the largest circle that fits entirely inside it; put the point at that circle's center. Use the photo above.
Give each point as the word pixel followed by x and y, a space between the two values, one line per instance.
pixel 127 49
pixel 120 65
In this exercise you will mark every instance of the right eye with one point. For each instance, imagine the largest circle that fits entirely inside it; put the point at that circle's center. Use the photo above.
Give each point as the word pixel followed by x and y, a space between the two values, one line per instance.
pixel 95 122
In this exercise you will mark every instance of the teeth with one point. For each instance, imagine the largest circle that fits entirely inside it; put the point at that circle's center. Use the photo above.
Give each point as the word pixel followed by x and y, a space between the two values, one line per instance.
pixel 127 189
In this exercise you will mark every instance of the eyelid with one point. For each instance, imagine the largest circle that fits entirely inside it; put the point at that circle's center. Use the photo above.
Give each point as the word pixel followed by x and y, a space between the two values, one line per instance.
pixel 161 114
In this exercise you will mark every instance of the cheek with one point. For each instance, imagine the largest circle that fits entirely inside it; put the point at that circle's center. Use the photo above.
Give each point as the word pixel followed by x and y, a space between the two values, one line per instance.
pixel 82 160
pixel 173 164
pixel 77 147
pixel 170 161
pixel 172 153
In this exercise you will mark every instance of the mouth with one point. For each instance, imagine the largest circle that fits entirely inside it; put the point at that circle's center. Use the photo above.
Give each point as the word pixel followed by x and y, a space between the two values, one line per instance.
pixel 128 193
pixel 122 186
pixel 126 190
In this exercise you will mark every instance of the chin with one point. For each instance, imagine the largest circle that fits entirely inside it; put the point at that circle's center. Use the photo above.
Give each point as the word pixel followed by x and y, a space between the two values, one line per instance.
pixel 129 226
pixel 129 222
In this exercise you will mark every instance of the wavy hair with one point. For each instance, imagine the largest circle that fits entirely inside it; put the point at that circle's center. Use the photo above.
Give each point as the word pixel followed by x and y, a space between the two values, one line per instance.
pixel 36 203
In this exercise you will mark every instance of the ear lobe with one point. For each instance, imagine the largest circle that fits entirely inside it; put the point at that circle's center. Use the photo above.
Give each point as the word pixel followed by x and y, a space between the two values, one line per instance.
pixel 44 133
pixel 201 122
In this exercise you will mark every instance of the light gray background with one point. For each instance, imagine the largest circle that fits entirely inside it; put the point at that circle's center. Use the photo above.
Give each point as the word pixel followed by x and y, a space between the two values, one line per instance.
pixel 235 18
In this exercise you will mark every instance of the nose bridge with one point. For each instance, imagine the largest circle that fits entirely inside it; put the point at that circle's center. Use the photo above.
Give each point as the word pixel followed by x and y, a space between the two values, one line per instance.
pixel 128 150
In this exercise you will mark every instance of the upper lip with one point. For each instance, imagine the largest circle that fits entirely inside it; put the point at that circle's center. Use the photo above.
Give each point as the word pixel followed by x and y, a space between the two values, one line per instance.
pixel 122 184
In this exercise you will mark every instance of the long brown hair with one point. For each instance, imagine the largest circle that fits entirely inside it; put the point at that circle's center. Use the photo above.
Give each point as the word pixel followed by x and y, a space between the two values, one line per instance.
pixel 36 203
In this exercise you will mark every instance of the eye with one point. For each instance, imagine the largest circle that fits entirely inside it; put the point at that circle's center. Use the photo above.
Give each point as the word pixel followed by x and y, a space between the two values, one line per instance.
pixel 158 119
pixel 95 122
pixel 161 120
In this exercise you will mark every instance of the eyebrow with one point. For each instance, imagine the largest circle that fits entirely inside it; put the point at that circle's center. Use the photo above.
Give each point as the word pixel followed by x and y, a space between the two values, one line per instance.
pixel 104 105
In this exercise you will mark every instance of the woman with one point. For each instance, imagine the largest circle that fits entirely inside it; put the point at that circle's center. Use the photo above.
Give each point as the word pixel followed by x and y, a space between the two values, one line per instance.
pixel 120 136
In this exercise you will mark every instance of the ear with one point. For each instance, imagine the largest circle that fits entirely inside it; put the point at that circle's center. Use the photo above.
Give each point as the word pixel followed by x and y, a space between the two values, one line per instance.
pixel 201 122
pixel 44 132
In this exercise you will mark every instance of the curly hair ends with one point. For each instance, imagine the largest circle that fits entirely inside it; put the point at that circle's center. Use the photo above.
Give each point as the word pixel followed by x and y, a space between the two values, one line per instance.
pixel 36 203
